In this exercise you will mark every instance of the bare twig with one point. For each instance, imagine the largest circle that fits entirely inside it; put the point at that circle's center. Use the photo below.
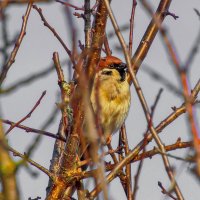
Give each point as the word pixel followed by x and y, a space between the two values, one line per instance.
pixel 139 169
pixel 28 115
pixel 149 35
pixel 134 4
pixel 5 3
pixel 39 10
pixel 70 5
pixel 128 166
pixel 166 13
pixel 33 130
pixel 27 80
pixel 107 47
pixel 163 80
pixel 144 155
pixel 153 107
pixel 193 52
pixel 164 191
pixel 17 45
pixel 136 179
pixel 25 158
pixel 37 139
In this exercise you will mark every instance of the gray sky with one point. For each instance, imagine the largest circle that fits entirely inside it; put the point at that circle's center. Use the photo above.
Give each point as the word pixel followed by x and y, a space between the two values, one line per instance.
pixel 35 54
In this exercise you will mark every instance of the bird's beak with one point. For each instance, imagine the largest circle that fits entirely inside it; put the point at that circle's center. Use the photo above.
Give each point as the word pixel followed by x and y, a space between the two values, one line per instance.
pixel 122 69
pixel 122 66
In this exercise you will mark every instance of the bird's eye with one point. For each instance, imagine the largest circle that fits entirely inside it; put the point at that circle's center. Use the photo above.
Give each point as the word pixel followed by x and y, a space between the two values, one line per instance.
pixel 109 73
pixel 112 66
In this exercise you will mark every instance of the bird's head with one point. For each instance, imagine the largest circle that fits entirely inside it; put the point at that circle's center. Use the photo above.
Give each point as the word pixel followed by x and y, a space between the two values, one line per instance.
pixel 111 66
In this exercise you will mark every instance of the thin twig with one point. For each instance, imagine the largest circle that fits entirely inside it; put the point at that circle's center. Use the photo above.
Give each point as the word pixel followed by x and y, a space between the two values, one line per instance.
pixel 136 179
pixel 28 115
pixel 5 3
pixel 134 4
pixel 162 79
pixel 17 44
pixel 37 139
pixel 39 10
pixel 145 155
pixel 25 158
pixel 139 169
pixel 149 36
pixel 70 5
pixel 107 47
pixel 156 102
pixel 33 130
pixel 128 166
pixel 164 191
pixel 27 80
pixel 193 52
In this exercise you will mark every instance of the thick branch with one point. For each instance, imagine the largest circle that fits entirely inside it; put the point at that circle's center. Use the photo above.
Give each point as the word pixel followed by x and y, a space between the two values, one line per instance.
pixel 149 35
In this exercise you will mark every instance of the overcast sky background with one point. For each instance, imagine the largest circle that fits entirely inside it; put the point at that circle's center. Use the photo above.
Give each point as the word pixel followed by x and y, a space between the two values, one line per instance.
pixel 35 54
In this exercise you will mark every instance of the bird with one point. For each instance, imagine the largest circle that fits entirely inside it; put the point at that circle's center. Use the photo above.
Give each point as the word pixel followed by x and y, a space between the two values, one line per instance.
pixel 110 95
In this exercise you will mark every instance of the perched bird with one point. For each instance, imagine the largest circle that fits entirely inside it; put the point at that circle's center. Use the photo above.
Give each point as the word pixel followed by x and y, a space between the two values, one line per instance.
pixel 110 96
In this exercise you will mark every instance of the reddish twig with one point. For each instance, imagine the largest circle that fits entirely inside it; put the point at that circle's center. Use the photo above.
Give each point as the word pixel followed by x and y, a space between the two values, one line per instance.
pixel 107 47
pixel 148 154
pixel 33 130
pixel 39 10
pixel 128 166
pixel 134 4
pixel 28 115
pixel 17 45
pixel 71 5
pixel 149 35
